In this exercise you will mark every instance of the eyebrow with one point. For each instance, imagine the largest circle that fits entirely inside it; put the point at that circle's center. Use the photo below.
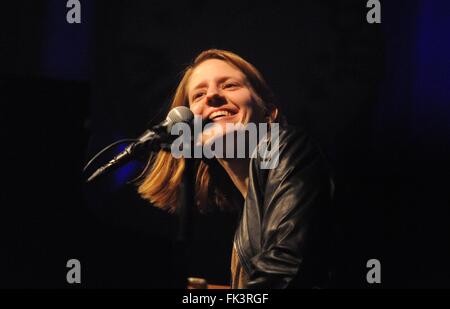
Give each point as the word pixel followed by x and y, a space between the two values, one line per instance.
pixel 201 85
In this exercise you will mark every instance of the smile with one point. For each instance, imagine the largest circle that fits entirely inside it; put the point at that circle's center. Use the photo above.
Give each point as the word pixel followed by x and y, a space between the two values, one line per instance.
pixel 219 115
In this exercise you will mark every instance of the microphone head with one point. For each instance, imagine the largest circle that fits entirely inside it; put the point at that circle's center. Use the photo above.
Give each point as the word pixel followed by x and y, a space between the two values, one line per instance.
pixel 179 114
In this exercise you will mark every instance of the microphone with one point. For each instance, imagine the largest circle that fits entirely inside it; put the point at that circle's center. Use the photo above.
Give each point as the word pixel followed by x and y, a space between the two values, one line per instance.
pixel 152 138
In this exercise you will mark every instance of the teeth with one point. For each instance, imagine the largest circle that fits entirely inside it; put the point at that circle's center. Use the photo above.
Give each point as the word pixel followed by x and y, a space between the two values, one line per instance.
pixel 219 113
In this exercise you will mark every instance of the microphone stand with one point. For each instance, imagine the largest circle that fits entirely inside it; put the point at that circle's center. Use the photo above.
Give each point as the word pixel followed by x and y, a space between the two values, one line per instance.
pixel 183 237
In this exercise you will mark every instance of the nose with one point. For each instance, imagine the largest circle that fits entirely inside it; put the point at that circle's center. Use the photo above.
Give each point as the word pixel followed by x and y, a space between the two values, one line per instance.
pixel 214 97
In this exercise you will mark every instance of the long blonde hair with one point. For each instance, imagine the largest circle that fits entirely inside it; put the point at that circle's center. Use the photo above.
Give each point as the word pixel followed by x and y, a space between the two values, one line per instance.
pixel 212 186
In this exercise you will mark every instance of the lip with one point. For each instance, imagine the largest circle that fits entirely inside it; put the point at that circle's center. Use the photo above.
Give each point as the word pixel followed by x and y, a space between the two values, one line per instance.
pixel 224 118
pixel 231 111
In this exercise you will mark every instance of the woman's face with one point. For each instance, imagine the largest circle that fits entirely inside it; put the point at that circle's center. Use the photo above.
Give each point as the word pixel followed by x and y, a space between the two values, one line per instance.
pixel 220 93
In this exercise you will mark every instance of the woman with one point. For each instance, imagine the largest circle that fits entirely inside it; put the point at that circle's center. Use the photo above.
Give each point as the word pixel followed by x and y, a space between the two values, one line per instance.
pixel 282 238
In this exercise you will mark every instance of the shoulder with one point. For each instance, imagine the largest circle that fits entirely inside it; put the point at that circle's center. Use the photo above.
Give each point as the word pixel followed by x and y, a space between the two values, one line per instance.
pixel 285 146
pixel 294 138
pixel 292 155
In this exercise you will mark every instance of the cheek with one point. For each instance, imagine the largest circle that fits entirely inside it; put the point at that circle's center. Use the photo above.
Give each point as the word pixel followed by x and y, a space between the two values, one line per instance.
pixel 253 111
pixel 242 99
pixel 196 108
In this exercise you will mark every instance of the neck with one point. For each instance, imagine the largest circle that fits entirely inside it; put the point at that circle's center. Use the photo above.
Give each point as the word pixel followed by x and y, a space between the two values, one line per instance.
pixel 237 169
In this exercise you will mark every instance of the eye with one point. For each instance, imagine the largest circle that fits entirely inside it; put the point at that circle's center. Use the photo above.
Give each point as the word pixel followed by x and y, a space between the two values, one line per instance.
pixel 197 96
pixel 230 85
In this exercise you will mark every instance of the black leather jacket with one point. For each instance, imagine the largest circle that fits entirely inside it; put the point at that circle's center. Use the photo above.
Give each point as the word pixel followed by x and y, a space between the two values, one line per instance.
pixel 283 238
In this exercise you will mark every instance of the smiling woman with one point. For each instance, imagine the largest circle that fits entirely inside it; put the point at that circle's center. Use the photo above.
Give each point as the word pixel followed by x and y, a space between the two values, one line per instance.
pixel 206 89
pixel 282 239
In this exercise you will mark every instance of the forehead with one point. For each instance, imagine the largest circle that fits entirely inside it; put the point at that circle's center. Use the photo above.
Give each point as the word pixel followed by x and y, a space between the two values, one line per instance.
pixel 213 69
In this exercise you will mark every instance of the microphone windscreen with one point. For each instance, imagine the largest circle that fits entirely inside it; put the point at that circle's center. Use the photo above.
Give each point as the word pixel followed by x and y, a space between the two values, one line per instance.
pixel 180 114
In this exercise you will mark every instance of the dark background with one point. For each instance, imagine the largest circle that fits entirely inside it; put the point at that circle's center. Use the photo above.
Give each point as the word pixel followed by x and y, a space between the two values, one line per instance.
pixel 374 96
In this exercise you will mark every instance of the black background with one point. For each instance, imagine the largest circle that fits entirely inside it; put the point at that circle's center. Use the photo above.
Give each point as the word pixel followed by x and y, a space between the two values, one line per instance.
pixel 374 96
